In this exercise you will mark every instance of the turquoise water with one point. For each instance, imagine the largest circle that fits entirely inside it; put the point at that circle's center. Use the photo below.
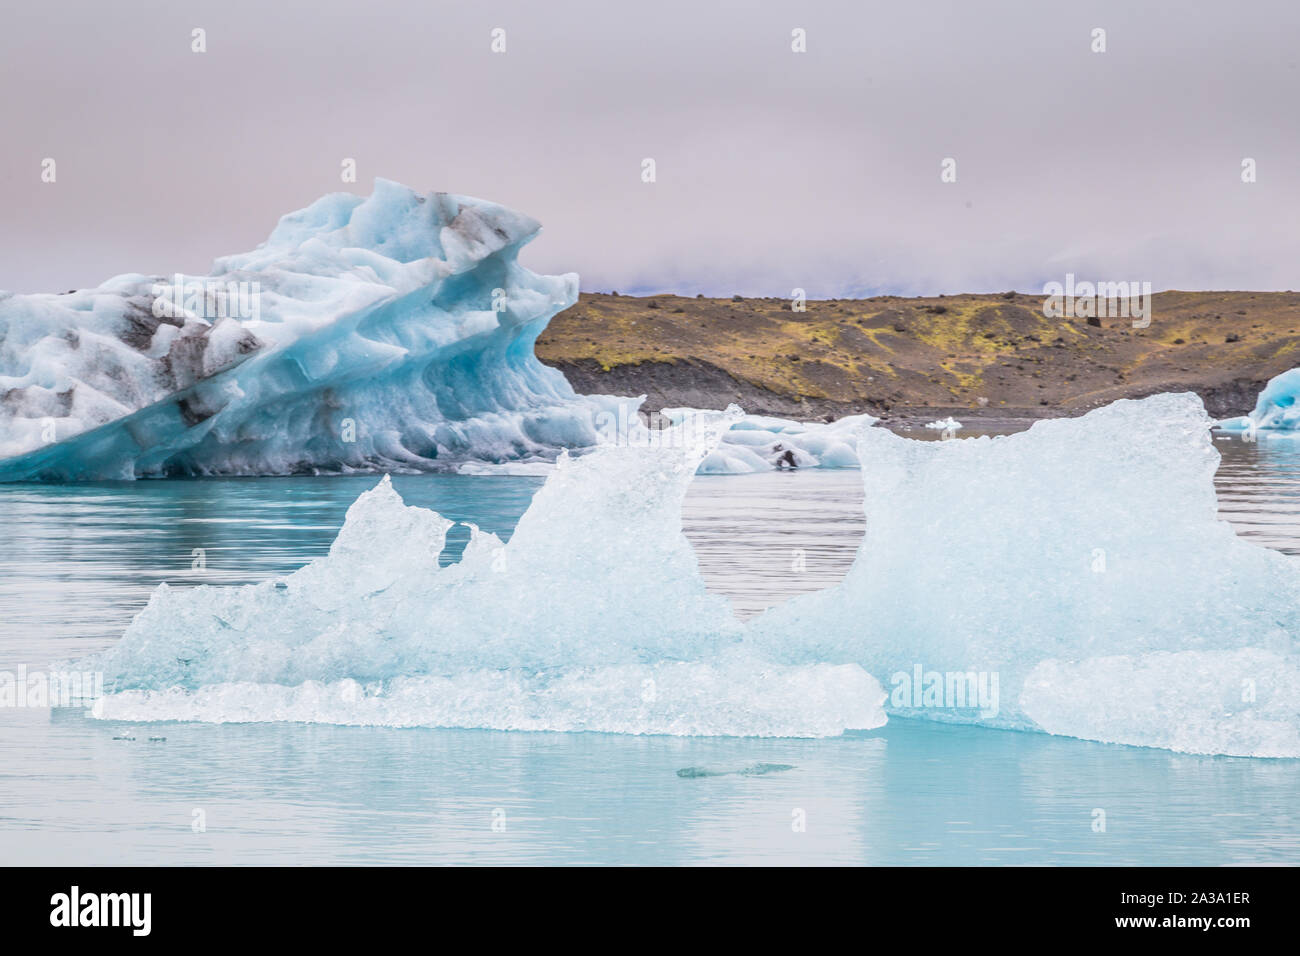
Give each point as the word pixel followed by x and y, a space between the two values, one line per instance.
pixel 76 562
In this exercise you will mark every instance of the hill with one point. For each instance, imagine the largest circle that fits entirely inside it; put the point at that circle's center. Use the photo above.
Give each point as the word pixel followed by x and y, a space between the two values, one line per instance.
pixel 986 356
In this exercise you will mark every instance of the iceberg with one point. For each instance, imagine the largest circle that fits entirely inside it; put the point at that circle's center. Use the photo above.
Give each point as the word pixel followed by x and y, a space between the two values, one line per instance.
pixel 1275 409
pixel 1078 571
pixel 389 332
pixel 592 617
pixel 393 332
pixel 753 443
pixel 1082 565
pixel 757 443
pixel 948 424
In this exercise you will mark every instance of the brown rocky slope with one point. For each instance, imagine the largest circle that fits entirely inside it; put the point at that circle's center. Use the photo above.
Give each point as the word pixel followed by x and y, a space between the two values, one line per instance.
pixel 986 356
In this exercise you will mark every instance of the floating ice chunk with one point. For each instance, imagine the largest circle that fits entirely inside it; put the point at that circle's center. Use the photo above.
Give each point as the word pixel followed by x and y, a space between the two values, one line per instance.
pixel 1275 408
pixel 1242 423
pixel 1079 538
pixel 389 332
pixel 762 443
pixel 948 424
pixel 592 617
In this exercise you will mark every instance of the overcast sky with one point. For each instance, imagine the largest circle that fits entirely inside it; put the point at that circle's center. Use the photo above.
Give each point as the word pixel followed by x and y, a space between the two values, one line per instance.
pixel 774 169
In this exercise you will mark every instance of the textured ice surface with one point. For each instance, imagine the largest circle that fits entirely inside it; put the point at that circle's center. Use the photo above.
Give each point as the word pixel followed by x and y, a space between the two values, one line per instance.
pixel 1077 539
pixel 1243 702
pixel 761 443
pixel 390 332
pixel 1080 564
pixel 1275 408
pixel 737 698
pixel 754 443
pixel 592 617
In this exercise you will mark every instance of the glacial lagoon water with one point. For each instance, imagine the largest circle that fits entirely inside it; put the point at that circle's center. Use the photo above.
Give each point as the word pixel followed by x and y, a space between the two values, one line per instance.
pixel 78 561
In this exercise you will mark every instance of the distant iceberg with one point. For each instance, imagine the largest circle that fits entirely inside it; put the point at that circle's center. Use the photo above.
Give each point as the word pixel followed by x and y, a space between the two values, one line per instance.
pixel 753 443
pixel 948 424
pixel 761 443
pixel 1275 409
pixel 1079 569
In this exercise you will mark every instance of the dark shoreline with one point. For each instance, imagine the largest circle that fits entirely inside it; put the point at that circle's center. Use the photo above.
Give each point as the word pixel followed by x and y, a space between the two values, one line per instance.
pixel 693 384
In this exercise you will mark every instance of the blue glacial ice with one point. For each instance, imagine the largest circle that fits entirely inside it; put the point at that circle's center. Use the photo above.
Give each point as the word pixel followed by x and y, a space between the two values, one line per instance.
pixel 1040 558
pixel 1242 701
pixel 388 332
pixel 592 617
pixel 1080 563
pixel 1275 412
pixel 392 332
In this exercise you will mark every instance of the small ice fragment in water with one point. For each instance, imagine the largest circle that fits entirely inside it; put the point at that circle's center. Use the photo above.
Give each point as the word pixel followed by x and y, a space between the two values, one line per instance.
pixel 948 424
pixel 1275 409
pixel 757 443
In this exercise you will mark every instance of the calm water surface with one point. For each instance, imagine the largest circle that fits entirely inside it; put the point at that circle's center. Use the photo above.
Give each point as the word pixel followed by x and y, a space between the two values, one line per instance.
pixel 77 562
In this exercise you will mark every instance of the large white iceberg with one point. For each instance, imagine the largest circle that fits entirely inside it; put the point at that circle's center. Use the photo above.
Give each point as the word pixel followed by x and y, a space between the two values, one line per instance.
pixel 1077 570
pixel 592 617
pixel 1038 560
pixel 1275 409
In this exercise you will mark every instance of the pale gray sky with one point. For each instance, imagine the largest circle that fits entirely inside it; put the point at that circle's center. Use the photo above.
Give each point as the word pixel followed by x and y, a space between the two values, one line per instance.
pixel 774 169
